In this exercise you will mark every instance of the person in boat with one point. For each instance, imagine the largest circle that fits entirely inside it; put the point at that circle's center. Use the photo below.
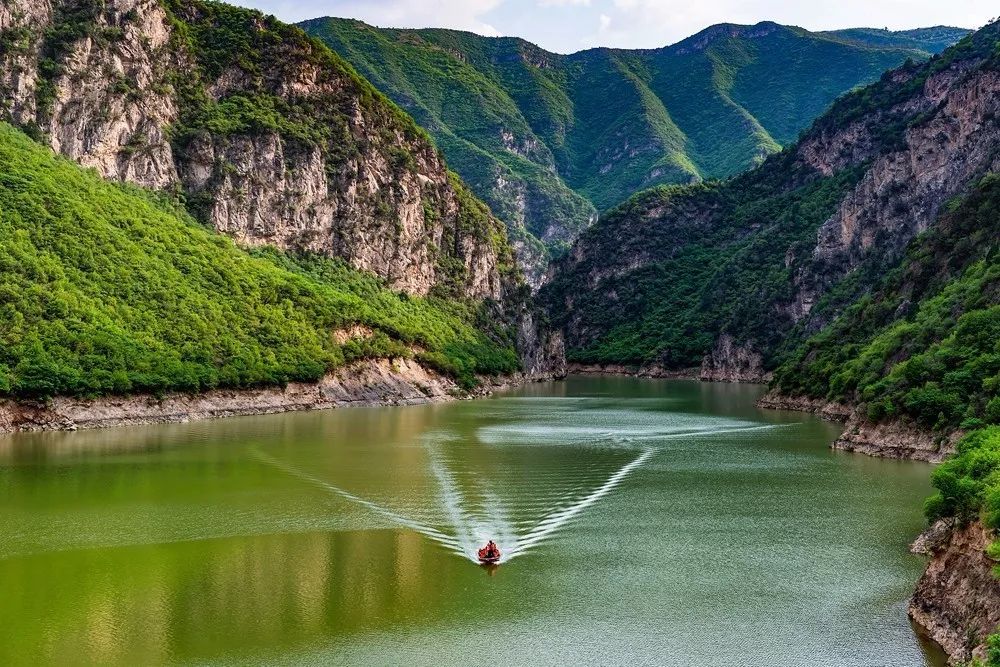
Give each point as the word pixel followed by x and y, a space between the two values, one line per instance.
pixel 491 550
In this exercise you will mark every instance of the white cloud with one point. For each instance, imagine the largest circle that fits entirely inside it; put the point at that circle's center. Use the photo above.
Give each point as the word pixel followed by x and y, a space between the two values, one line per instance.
pixel 564 3
pixel 604 24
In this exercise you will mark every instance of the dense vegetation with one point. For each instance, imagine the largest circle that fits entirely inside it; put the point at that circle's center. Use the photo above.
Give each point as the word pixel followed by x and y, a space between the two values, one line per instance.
pixel 109 289
pixel 925 345
pixel 711 254
pixel 567 134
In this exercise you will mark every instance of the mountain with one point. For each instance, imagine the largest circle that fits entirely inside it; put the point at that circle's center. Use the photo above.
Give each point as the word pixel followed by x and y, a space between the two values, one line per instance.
pixel 262 134
pixel 733 276
pixel 109 289
pixel 934 40
pixel 547 140
pixel 859 271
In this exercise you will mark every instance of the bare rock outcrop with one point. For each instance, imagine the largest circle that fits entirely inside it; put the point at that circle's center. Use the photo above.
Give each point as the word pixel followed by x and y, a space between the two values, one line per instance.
pixel 730 361
pixel 957 600
pixel 364 383
pixel 895 439
pixel 121 86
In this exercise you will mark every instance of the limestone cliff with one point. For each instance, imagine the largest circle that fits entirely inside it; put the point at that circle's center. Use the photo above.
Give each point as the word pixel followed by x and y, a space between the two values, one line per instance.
pixel 264 132
pixel 734 275
pixel 957 601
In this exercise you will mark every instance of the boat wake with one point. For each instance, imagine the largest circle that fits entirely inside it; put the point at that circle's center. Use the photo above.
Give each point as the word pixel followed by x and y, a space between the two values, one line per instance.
pixel 471 529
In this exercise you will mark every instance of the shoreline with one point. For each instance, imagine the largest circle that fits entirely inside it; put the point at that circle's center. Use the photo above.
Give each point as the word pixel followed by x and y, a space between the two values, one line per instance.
pixel 367 383
pixel 652 372
pixel 891 440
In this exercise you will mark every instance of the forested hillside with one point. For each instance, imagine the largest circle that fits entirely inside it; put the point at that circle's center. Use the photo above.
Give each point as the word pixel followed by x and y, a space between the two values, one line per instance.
pixel 547 140
pixel 110 289
pixel 262 131
pixel 732 276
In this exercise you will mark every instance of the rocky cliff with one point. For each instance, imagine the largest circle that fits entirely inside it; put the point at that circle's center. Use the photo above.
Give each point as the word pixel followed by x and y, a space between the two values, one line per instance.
pixel 957 600
pixel 546 138
pixel 265 133
pixel 734 275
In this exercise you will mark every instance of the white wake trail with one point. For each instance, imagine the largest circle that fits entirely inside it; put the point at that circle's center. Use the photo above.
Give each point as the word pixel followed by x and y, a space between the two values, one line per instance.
pixel 448 541
pixel 556 520
pixel 470 532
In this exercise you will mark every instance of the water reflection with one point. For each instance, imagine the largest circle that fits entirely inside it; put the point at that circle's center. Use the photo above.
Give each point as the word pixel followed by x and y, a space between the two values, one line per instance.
pixel 346 536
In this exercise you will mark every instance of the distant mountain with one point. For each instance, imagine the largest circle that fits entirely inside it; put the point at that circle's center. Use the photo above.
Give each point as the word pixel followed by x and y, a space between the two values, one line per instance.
pixel 860 265
pixel 547 140
pixel 935 39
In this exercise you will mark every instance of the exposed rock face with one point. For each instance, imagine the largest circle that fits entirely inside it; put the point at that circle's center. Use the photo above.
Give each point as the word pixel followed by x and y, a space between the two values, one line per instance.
pixel 113 84
pixel 892 439
pixel 895 440
pixel 958 599
pixel 731 362
pixel 364 383
pixel 542 352
pixel 953 140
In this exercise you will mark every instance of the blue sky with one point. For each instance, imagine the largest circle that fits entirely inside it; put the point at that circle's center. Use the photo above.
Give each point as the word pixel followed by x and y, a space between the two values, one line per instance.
pixel 571 25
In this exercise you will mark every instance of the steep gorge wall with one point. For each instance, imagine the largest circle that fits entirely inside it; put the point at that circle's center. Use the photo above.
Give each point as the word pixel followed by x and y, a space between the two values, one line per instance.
pixel 951 137
pixel 306 156
pixel 957 600
pixel 738 273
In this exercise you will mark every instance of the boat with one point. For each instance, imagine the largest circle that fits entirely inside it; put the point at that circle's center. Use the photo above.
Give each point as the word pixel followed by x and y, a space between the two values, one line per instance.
pixel 490 554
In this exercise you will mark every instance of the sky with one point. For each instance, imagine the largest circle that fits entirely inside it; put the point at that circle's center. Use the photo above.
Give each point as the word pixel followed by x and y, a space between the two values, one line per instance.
pixel 565 26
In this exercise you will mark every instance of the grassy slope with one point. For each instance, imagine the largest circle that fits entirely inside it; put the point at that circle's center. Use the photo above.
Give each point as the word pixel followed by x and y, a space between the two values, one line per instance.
pixel 106 289
pixel 609 122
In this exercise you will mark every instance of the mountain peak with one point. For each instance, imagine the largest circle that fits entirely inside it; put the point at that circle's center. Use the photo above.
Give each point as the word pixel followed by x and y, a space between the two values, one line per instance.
pixel 702 40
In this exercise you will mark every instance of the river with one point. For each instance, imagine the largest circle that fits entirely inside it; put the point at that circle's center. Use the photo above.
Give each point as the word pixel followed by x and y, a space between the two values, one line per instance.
pixel 643 522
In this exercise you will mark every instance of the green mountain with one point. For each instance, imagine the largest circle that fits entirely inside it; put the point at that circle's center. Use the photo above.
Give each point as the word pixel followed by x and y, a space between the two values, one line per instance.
pixel 924 343
pixel 935 39
pixel 861 262
pixel 295 219
pixel 547 139
pixel 109 289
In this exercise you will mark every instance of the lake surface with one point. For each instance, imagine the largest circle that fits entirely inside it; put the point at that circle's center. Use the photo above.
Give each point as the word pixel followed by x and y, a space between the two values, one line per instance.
pixel 643 522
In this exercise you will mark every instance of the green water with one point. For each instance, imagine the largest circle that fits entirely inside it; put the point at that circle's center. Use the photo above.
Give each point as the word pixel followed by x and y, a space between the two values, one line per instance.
pixel 644 523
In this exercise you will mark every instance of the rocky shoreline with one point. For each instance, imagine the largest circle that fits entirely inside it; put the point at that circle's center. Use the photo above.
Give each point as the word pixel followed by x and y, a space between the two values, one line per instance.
pixel 363 384
pixel 957 600
pixel 892 440
pixel 653 371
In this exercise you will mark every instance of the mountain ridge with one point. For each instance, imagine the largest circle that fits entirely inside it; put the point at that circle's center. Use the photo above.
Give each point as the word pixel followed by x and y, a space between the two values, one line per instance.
pixel 548 140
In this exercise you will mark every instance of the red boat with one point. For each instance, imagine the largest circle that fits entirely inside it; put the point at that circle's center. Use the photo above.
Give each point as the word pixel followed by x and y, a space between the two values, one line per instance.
pixel 490 554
